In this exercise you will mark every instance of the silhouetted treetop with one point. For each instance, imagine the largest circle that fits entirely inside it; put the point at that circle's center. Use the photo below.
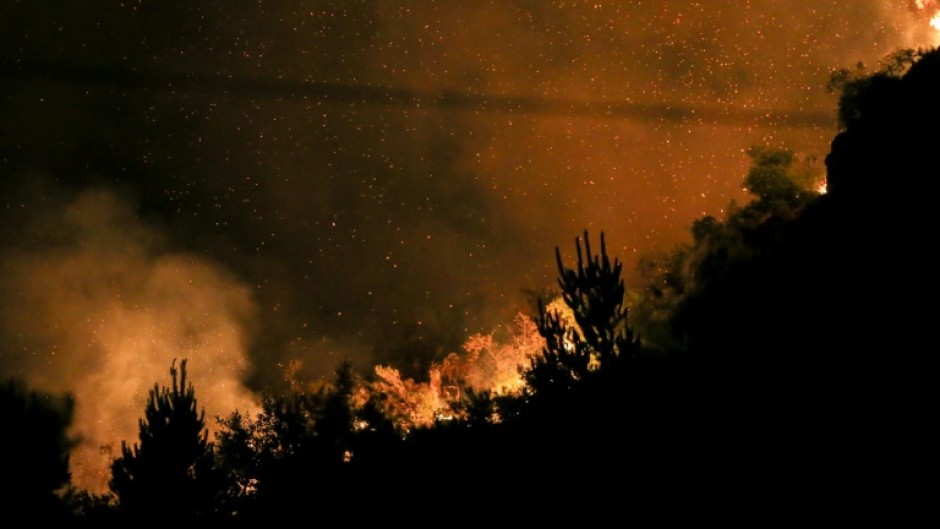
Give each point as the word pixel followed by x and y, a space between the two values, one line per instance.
pixel 169 472
pixel 783 187
pixel 888 119
pixel 595 293
pixel 598 340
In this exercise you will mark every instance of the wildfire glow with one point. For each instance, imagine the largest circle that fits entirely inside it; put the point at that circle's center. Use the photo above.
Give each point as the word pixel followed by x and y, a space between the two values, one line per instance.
pixel 487 364
pixel 490 362
pixel 822 187
pixel 120 311
pixel 932 8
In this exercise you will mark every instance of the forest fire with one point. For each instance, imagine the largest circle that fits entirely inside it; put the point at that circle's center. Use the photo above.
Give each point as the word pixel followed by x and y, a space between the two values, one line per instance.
pixel 930 8
pixel 489 363
pixel 330 215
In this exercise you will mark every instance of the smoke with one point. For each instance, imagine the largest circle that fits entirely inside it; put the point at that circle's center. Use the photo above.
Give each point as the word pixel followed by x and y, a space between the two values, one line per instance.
pixel 97 306
pixel 385 233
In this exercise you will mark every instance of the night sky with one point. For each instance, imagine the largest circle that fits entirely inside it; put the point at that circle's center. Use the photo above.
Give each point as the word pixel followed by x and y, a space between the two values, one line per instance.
pixel 254 183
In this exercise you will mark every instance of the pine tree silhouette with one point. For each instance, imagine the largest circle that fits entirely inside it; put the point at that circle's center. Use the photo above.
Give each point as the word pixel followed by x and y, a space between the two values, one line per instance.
pixel 170 472
pixel 600 340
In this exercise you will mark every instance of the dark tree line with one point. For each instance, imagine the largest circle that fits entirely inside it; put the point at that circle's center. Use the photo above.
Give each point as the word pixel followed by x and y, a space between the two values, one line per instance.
pixel 34 448
pixel 783 351
pixel 803 317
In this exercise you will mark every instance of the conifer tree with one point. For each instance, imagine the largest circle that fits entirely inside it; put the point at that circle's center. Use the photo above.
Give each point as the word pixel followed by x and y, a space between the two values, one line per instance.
pixel 169 473
pixel 599 339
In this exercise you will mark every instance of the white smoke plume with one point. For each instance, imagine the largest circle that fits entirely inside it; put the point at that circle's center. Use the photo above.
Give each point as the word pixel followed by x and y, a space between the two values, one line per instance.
pixel 101 310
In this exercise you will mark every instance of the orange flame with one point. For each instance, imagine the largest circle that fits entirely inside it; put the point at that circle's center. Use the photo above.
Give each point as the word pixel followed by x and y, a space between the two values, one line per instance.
pixel 487 364
pixel 932 9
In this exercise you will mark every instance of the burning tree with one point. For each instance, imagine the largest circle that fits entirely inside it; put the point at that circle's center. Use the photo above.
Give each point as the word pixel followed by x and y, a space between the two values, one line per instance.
pixel 488 366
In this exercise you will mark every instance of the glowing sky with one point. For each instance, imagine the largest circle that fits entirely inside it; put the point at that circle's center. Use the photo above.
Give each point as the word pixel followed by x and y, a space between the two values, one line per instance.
pixel 320 224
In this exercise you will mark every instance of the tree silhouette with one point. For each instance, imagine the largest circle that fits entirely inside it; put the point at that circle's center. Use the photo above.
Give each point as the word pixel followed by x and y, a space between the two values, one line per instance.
pixel 300 446
pixel 595 294
pixel 881 170
pixel 169 473
pixel 795 316
pixel 33 452
pixel 596 408
pixel 599 339
pixel 688 303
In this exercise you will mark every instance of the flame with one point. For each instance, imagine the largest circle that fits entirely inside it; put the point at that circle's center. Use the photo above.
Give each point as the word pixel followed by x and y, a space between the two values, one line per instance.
pixel 488 363
pixel 407 403
pixel 564 312
pixel 822 187
pixel 932 9
pixel 491 363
